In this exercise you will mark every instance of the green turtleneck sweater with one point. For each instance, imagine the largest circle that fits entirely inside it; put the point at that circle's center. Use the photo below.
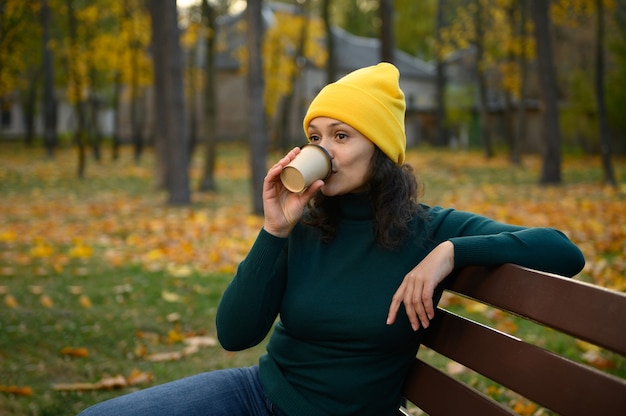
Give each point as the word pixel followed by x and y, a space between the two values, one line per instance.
pixel 331 352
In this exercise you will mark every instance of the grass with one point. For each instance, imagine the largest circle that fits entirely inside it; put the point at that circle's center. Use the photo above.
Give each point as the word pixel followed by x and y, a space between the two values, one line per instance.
pixel 98 274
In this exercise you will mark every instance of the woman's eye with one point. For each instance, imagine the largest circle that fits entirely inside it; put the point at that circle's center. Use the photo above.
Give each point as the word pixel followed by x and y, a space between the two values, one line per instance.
pixel 314 138
pixel 342 136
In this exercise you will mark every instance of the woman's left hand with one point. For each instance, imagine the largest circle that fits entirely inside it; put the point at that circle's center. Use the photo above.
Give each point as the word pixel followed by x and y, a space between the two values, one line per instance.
pixel 417 289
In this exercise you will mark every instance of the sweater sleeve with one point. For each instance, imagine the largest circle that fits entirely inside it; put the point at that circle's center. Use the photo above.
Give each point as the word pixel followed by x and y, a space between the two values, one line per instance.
pixel 251 302
pixel 480 241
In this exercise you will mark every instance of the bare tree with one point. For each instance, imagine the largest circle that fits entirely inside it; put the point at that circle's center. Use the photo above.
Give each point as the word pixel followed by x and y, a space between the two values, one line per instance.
pixel 387 42
pixel 170 127
pixel 77 81
pixel 136 113
pixel 256 128
pixel 331 64
pixel 520 132
pixel 440 114
pixel 207 182
pixel 551 170
pixel 50 139
pixel 605 139
pixel 481 80
pixel 287 103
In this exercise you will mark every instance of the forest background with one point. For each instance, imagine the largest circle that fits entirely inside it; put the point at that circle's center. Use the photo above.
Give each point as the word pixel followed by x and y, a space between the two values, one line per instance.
pixel 116 249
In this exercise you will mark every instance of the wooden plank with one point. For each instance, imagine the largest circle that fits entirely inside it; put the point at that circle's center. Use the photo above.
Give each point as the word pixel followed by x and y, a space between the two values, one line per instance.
pixel 585 311
pixel 548 379
pixel 439 394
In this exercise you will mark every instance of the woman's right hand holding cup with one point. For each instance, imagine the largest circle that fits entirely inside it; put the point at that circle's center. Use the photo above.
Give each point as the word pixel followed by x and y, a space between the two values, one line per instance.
pixel 282 208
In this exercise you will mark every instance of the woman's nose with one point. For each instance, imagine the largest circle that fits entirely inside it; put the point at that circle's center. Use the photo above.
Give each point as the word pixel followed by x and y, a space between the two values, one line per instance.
pixel 326 144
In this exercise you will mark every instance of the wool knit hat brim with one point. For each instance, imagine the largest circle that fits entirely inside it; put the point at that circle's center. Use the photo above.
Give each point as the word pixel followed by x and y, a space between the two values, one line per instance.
pixel 369 100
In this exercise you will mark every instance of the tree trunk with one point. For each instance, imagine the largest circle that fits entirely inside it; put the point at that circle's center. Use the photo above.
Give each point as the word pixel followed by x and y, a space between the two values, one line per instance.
pixel 442 128
pixel 77 87
pixel 485 133
pixel 207 182
pixel 49 104
pixel 509 108
pixel 117 88
pixel 387 42
pixel 169 96
pixel 331 64
pixel 286 109
pixel 257 130
pixel 520 132
pixel 160 112
pixel 192 97
pixel 136 128
pixel 93 127
pixel 30 107
pixel 605 139
pixel 551 170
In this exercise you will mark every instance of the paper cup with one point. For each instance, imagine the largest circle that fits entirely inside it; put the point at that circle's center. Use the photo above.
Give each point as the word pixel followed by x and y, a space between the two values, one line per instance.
pixel 312 163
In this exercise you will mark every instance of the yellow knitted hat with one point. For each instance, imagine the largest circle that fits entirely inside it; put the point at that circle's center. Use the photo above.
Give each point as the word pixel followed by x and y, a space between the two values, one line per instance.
pixel 369 100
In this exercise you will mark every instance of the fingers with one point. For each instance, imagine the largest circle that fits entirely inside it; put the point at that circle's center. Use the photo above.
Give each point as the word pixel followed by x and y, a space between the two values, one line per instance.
pixel 289 157
pixel 396 300
pixel 424 309
pixel 312 189
pixel 283 209
pixel 418 287
pixel 418 304
pixel 415 306
pixel 275 170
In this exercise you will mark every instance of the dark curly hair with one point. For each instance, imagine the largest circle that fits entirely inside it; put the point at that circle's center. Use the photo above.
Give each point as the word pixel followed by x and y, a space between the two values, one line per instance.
pixel 393 191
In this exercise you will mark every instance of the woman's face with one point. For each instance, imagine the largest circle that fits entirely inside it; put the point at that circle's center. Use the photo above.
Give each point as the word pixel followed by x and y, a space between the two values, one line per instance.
pixel 350 152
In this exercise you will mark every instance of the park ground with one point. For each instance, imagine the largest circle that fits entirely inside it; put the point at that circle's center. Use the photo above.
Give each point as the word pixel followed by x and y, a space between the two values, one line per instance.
pixel 104 289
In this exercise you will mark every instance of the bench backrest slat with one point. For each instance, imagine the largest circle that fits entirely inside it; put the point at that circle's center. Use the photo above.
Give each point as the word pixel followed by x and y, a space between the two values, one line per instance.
pixel 426 385
pixel 570 306
pixel 549 379
pixel 581 310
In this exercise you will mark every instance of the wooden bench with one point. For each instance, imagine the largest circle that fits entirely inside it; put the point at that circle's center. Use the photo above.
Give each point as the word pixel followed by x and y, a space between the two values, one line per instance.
pixel 583 311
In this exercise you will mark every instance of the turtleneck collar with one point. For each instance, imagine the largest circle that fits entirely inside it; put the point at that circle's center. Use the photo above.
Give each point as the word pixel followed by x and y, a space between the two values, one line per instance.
pixel 356 206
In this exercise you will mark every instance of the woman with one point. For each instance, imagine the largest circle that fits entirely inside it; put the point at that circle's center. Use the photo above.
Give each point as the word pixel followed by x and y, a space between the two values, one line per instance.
pixel 351 267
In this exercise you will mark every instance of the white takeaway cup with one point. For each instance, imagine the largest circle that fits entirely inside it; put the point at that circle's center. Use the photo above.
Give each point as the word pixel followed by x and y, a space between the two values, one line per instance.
pixel 312 163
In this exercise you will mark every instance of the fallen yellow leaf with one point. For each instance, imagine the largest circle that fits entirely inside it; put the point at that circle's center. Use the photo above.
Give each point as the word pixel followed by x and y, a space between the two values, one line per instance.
pixel 180 270
pixel 525 409
pixel 171 296
pixel 80 250
pixel 475 307
pixel 201 341
pixel 454 368
pixel 84 301
pixel 41 249
pixel 105 383
pixel 174 336
pixel 75 352
pixel 17 390
pixel 586 346
pixel 8 236
pixel 46 301
pixel 10 301
pixel 165 356
pixel 139 377
pixel 597 359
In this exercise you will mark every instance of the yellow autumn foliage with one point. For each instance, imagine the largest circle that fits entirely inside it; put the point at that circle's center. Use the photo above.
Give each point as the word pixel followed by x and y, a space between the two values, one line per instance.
pixel 52 233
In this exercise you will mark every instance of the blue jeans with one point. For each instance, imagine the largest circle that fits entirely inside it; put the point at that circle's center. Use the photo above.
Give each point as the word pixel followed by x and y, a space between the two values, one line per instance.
pixel 229 392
